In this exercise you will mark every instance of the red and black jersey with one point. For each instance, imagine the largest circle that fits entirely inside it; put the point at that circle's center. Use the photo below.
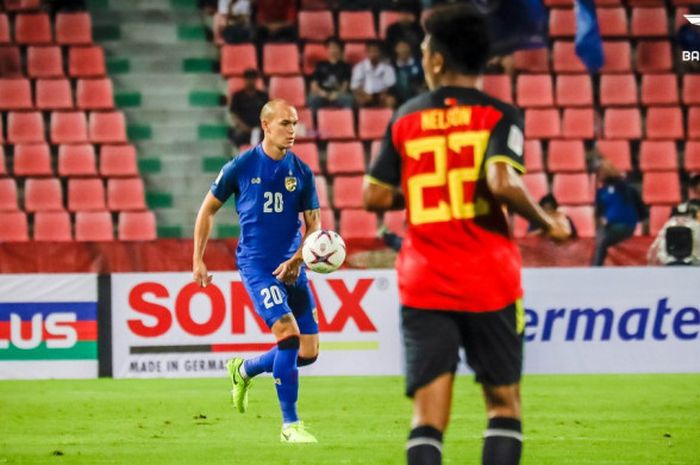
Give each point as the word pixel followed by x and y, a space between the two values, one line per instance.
pixel 458 253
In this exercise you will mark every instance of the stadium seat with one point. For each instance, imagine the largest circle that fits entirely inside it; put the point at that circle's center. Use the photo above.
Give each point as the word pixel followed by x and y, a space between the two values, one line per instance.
pixel 235 59
pixel 618 57
pixel 622 123
pixel 354 52
pixel 658 216
pixel 68 127
pixel 107 127
pixel 22 5
pixel 534 90
pixel 77 160
pixel 574 90
pixel 289 88
pixel 583 217
pixel 559 3
pixel 653 57
pixel 532 61
pixel 572 189
pixel 328 219
pixel 334 123
pixel 618 90
pixel 73 28
pixel 578 123
pixel 612 22
pixel 125 194
pixel 664 123
pixel 564 58
pixel 94 226
pixel 43 195
pixel 566 156
pixel 15 94
pixel 32 160
pixel 13 227
pixel 536 184
pixel 33 29
pixel 234 84
pixel 649 22
pixel 520 226
pixel 533 156
pixel 562 22
pixel 358 224
pixel 308 153
pixel 86 62
pixel 356 25
pixel 694 123
pixel 659 89
pixel 24 127
pixel 53 94
pixel 44 62
pixel 691 89
pixel 618 152
pixel 313 53
pixel 395 221
pixel 281 59
pixel 499 86
pixel 386 19
pixel 306 130
pixel 315 25
pixel 658 156
pixel 661 188
pixel 4 29
pixel 542 123
pixel 94 94
pixel 322 191
pixel 692 156
pixel 118 161
pixel 8 194
pixel 347 192
pixel 345 158
pixel 137 226
pixel 10 62
pixel 373 122
pixel 52 226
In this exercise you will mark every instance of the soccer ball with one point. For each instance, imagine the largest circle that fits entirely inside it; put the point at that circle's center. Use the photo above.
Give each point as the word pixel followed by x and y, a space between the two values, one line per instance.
pixel 323 251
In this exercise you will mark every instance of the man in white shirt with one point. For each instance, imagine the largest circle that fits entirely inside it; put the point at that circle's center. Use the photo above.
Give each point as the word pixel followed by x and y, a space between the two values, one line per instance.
pixel 373 79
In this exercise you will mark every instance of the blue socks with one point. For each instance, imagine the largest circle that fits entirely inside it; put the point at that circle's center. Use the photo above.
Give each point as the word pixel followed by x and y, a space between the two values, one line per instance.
pixel 262 364
pixel 286 374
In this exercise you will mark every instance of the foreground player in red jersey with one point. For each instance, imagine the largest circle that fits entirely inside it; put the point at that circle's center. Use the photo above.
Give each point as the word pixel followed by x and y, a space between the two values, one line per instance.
pixel 452 156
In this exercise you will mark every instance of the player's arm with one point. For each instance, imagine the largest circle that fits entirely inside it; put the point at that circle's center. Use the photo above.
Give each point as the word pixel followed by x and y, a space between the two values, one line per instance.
pixel 288 271
pixel 202 230
pixel 381 191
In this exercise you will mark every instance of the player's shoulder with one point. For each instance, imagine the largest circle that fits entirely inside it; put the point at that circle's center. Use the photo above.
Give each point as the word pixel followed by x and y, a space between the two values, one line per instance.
pixel 300 164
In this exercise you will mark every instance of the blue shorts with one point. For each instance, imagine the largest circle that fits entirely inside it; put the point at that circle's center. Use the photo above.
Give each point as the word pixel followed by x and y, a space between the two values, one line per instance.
pixel 274 299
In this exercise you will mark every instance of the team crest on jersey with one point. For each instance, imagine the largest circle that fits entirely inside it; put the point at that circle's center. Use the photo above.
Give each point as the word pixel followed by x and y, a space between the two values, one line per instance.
pixel 290 183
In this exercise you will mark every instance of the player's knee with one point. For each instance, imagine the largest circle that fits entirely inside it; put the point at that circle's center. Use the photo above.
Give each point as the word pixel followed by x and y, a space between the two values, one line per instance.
pixel 289 342
pixel 303 361
pixel 502 401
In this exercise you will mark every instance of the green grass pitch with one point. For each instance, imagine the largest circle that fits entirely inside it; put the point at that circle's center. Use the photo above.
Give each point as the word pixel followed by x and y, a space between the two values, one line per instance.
pixel 577 420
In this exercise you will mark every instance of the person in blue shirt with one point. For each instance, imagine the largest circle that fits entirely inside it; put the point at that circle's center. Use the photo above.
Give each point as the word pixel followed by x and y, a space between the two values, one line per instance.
pixel 271 186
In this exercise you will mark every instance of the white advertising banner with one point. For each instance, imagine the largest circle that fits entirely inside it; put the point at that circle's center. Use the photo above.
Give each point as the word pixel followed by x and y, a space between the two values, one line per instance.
pixel 617 320
pixel 48 326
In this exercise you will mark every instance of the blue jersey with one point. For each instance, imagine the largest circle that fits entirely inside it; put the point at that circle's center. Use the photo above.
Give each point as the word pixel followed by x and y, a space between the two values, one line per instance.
pixel 269 196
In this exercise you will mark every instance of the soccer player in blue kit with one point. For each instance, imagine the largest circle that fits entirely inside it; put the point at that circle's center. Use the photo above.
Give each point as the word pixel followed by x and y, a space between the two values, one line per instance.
pixel 271 186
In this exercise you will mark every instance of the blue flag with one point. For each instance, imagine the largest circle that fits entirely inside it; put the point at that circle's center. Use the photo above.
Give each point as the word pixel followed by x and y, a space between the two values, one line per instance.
pixel 589 45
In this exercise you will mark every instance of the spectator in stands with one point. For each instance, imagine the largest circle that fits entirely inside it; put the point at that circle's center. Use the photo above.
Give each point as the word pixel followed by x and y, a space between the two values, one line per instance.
pixel 688 36
pixel 405 29
pixel 330 83
pixel 276 20
pixel 619 208
pixel 550 205
pixel 694 197
pixel 245 110
pixel 409 73
pixel 373 79
pixel 237 28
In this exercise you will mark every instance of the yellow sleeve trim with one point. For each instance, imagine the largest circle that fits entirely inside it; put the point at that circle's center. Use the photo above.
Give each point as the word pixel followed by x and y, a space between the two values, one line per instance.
pixel 506 159
pixel 373 180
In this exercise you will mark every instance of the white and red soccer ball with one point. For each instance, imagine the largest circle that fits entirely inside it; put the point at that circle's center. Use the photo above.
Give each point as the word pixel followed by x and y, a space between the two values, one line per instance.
pixel 323 251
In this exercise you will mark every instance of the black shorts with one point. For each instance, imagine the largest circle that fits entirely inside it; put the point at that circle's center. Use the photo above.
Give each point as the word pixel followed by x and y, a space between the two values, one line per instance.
pixel 492 341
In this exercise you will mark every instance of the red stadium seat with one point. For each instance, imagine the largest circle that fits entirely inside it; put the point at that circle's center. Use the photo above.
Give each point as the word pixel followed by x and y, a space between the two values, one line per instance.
pixel 322 191
pixel 574 90
pixel 395 221
pixel 659 89
pixel 308 153
pixel 13 227
pixel 125 194
pixel 306 130
pixel 583 218
pixel 345 158
pixel 347 192
pixel 137 226
pixel 315 25
pixel 653 57
pixel 572 189
pixel 617 152
pixel 533 156
pixel 658 216
pixel 32 160
pixel 86 62
pixel 622 123
pixel 612 22
pixel 691 89
pixel 694 123
pixel 24 127
pixel 8 194
pixel 373 122
pixel 532 61
pixel 536 184
pixel 566 156
pixel 77 160
pixel 281 59
pixel 73 28
pixel 354 52
pixel 358 224
pixel 649 22
pixel 86 194
pixel 43 195
pixel 15 94
pixel 534 90
pixel 313 53
pixel 328 219
pixel 499 86
pixel 386 19
pixel 542 123
pixel 54 94
pixel 562 22
pixel 235 59
pixel 618 90
pixel 559 3
pixel 661 188
pixel 45 62
pixel 664 123
pixel 356 25
pixel 94 226
pixel 289 88
pixel 68 127
pixel 4 29
pixel 520 226
pixel 33 29
pixel 618 57
pixel 564 58
pixel 578 123
pixel 658 156
pixel 94 94
pixel 118 161
pixel 692 156
pixel 10 62
pixel 107 127
pixel 22 5
pixel 335 123
pixel 52 226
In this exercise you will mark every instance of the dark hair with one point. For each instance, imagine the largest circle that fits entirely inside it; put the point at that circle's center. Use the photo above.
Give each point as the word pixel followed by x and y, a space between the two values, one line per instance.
pixel 460 33
pixel 549 199
pixel 250 73
pixel 695 181
pixel 374 43
pixel 336 41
